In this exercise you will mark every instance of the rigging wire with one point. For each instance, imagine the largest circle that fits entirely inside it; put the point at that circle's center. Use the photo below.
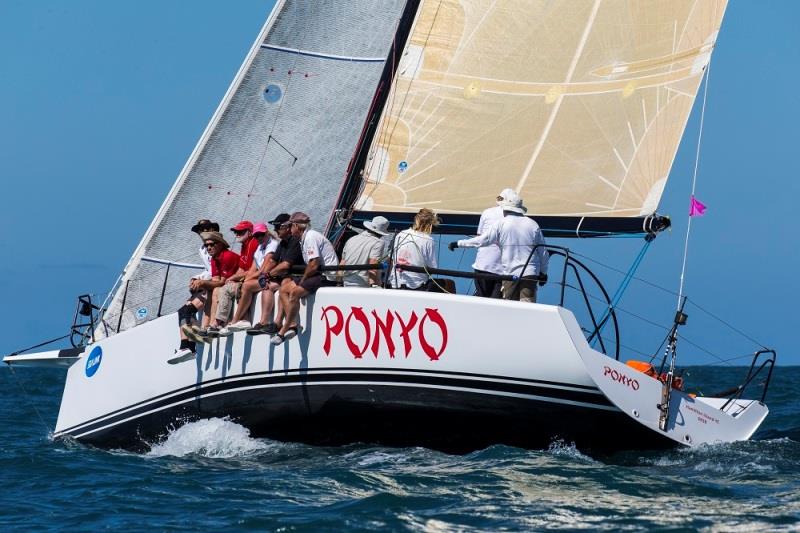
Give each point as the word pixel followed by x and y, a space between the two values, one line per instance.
pixel 390 106
pixel 694 181
pixel 673 293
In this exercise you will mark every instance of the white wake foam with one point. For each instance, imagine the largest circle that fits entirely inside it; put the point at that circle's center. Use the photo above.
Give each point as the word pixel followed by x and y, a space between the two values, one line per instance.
pixel 212 437
pixel 559 448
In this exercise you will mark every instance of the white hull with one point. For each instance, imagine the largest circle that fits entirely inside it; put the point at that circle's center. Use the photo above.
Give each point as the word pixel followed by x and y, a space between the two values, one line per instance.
pixel 398 367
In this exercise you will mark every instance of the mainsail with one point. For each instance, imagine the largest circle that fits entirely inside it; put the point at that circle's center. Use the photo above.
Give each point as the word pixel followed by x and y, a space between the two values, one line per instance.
pixel 579 106
pixel 280 140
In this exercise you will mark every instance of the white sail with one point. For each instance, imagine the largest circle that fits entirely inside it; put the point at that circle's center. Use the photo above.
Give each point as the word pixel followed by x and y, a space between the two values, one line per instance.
pixel 280 141
pixel 577 105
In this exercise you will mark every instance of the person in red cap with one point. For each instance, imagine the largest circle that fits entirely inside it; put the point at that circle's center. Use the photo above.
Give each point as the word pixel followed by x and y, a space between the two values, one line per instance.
pixel 262 259
pixel 244 236
pixel 232 289
pixel 317 252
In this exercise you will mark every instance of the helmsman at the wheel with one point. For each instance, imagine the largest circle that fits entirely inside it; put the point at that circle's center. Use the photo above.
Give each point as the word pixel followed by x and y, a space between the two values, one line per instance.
pixel 517 236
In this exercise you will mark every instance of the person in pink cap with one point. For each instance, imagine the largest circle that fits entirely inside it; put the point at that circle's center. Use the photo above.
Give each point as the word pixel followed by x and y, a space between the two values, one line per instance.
pixel 262 259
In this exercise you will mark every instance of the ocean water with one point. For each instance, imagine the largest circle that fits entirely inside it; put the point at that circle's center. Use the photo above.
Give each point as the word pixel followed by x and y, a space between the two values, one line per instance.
pixel 211 475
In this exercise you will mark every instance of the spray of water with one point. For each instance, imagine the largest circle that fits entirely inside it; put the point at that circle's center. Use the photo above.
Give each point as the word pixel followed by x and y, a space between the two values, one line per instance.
pixel 213 437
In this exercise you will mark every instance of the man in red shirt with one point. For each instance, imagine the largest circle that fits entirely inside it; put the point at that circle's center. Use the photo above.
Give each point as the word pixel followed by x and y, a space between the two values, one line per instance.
pixel 244 236
pixel 232 290
pixel 224 264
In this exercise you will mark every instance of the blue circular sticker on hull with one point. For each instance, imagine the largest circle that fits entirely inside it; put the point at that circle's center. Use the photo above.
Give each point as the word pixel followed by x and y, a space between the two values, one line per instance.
pixel 93 361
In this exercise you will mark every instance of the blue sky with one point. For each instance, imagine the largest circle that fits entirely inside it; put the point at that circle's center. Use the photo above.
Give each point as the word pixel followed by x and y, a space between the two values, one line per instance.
pixel 102 102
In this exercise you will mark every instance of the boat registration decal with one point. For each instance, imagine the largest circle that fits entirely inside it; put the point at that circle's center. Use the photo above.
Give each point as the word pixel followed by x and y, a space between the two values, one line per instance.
pixel 371 330
pixel 93 361
pixel 620 378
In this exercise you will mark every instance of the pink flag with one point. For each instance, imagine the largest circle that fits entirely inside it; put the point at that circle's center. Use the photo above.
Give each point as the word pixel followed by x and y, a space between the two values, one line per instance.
pixel 696 208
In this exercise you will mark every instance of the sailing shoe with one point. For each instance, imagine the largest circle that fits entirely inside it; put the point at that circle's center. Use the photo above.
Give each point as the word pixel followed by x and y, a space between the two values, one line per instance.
pixel 258 329
pixel 239 326
pixel 225 331
pixel 277 340
pixel 212 332
pixel 270 329
pixel 182 355
pixel 192 333
pixel 291 333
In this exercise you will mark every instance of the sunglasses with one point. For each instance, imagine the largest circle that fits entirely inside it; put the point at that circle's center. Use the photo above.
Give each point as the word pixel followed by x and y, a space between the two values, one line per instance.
pixel 210 244
pixel 239 233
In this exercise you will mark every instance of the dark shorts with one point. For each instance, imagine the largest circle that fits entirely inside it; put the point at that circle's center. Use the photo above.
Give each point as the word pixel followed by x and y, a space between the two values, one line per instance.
pixel 315 282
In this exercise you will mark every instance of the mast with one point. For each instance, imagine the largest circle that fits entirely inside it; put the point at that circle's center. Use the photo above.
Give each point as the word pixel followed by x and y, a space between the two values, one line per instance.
pixel 355 171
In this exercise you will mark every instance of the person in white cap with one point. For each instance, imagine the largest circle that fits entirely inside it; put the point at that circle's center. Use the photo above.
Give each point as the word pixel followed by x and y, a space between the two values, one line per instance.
pixel 487 260
pixel 362 249
pixel 517 236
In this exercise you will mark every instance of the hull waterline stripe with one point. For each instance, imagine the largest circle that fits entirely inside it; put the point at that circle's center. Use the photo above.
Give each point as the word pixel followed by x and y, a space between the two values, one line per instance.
pixel 548 399
pixel 368 371
pixel 321 55
pixel 492 387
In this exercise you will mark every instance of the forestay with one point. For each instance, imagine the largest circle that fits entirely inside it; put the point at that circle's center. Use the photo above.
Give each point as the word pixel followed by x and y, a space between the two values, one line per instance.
pixel 579 106
pixel 280 140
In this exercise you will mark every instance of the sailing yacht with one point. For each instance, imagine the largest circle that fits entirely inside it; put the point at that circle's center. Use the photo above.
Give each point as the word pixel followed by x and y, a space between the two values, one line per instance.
pixel 348 110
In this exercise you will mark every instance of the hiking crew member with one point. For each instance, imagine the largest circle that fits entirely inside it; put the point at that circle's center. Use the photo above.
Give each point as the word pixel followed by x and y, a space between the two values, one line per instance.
pixel 262 256
pixel 275 273
pixel 415 247
pixel 224 265
pixel 517 235
pixel 187 315
pixel 365 248
pixel 487 260
pixel 232 290
pixel 317 252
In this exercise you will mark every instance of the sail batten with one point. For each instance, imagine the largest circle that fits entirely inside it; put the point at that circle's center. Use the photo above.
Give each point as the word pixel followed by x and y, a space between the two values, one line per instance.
pixel 579 106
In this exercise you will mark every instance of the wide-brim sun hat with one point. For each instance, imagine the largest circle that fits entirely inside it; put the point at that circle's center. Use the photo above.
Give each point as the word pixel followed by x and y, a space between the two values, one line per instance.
pixel 379 225
pixel 506 194
pixel 514 206
pixel 214 236
pixel 205 225
pixel 512 202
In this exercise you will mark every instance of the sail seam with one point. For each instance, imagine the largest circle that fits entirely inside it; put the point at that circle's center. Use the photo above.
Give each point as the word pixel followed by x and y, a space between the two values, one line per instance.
pixel 557 104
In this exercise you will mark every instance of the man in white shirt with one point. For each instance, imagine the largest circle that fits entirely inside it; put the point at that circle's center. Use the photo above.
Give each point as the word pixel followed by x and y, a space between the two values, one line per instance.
pixel 487 260
pixel 362 249
pixel 317 252
pixel 517 236
pixel 199 298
